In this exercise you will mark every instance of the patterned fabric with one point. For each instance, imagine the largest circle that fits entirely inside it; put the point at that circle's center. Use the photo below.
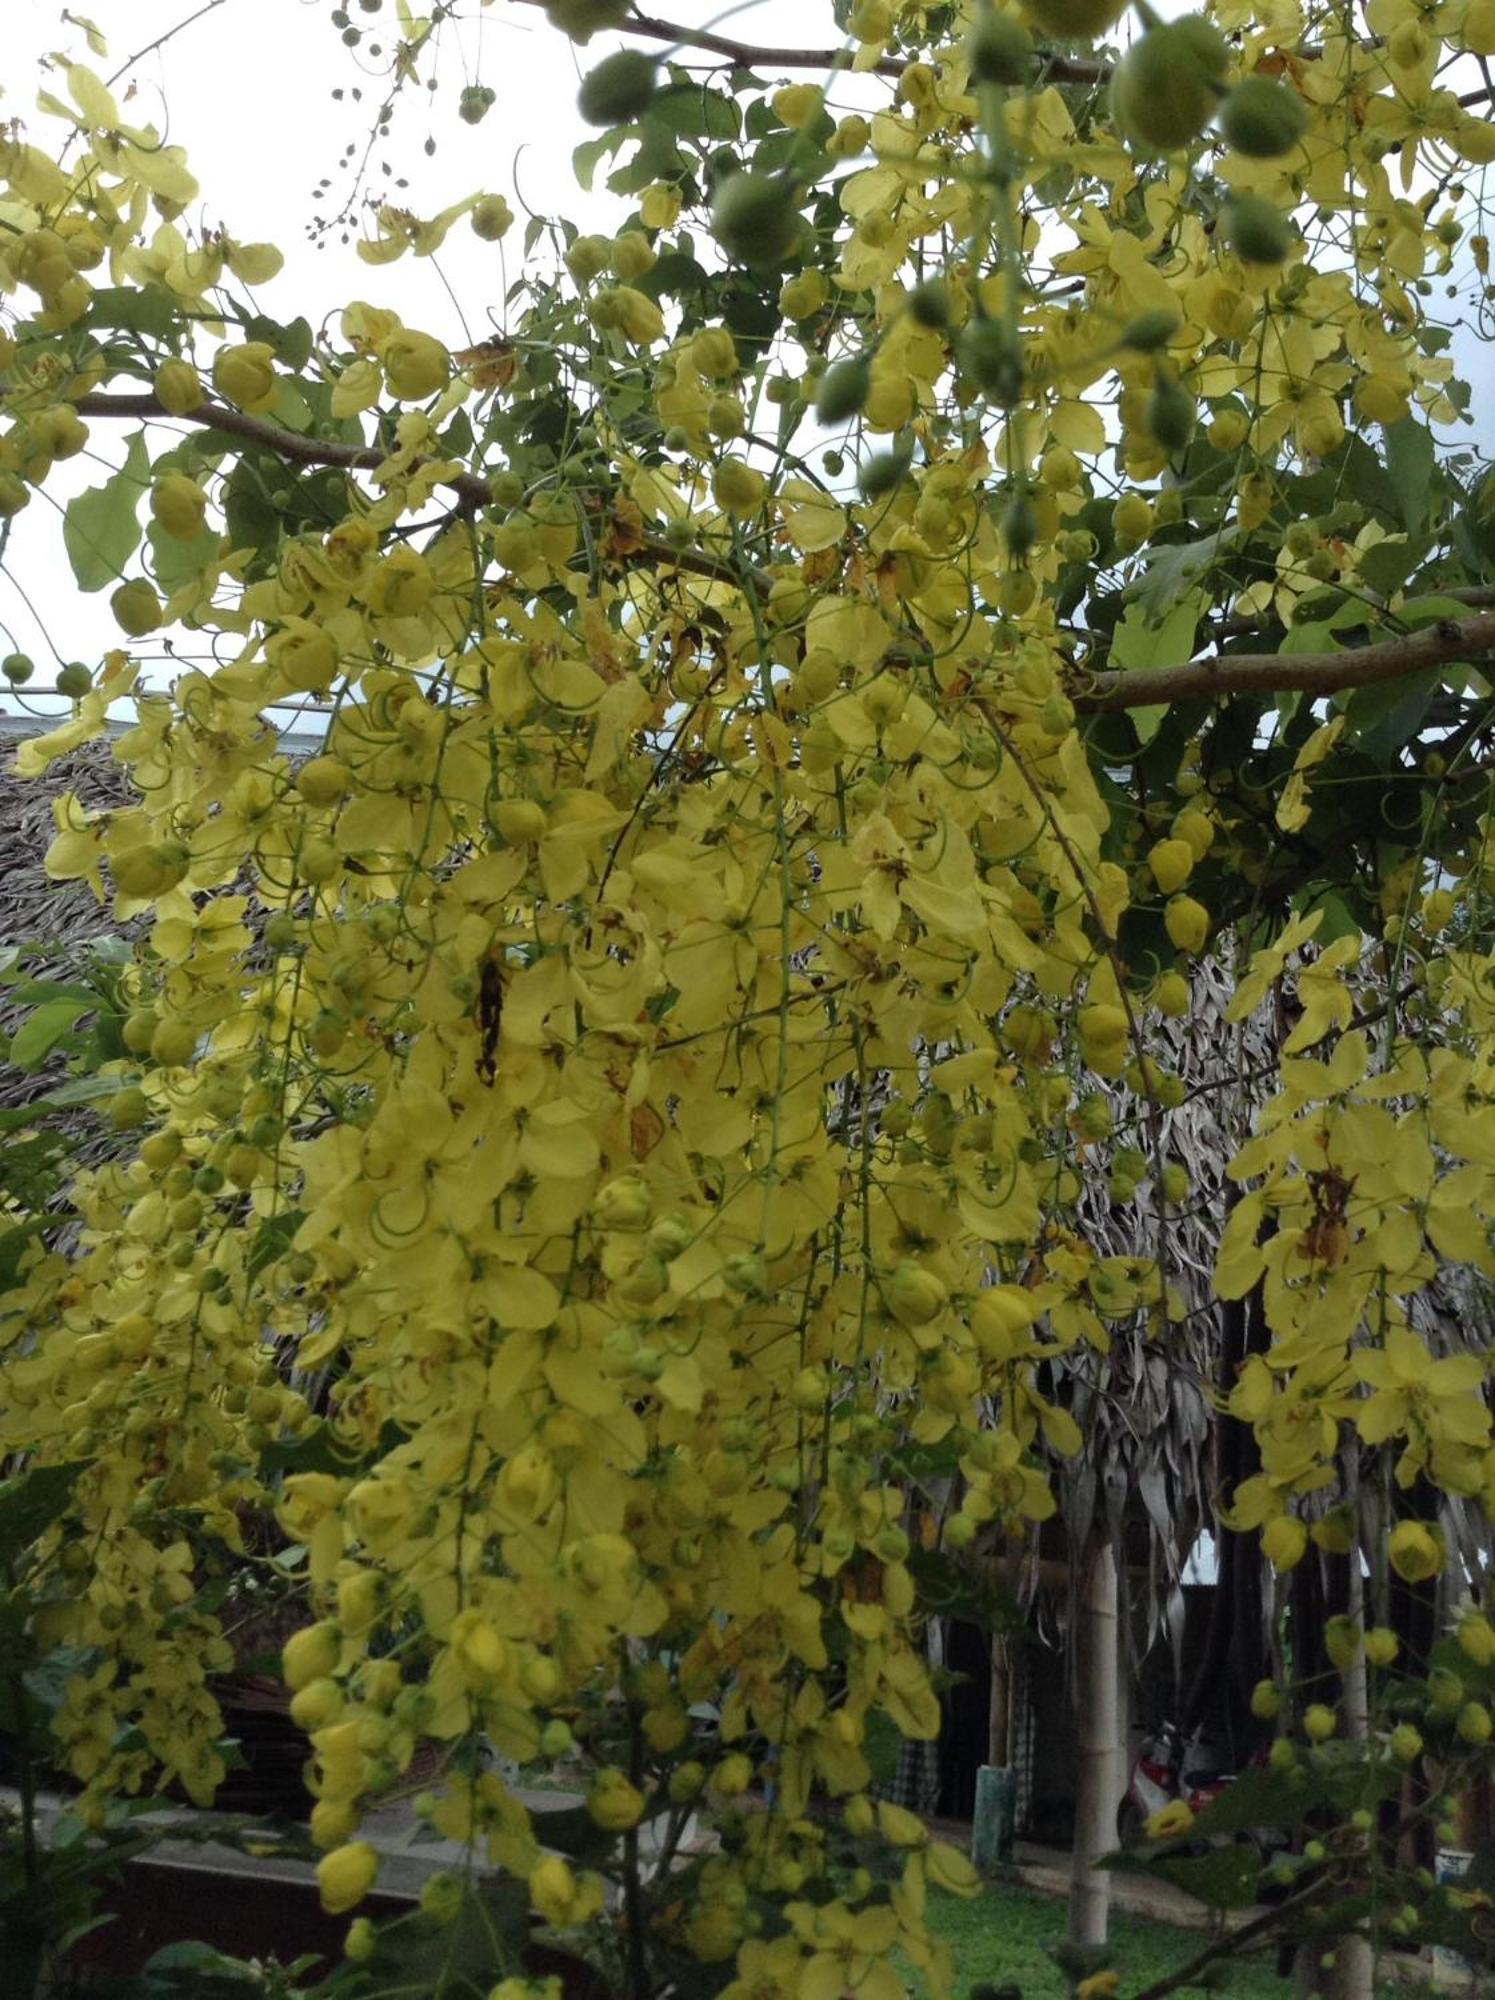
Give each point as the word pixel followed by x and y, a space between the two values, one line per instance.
pixel 916 1783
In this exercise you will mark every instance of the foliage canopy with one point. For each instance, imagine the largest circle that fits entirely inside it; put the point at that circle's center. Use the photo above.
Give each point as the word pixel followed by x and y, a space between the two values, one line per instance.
pixel 606 1131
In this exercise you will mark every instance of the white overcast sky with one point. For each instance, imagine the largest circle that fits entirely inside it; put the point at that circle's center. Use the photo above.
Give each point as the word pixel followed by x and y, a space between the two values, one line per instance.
pixel 246 90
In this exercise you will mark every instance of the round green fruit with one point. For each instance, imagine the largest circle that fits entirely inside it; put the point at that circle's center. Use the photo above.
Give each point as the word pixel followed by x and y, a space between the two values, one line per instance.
pixel 929 305
pixel 1171 416
pixel 1074 20
pixel 755 219
pixel 1163 91
pixel 842 390
pixel 581 19
pixel 884 471
pixel 989 355
pixel 999 49
pixel 1262 119
pixel 620 89
pixel 17 668
pixel 1257 232
pixel 74 681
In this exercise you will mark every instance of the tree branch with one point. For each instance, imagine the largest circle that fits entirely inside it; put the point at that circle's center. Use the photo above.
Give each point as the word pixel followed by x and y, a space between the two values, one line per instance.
pixel 1225 674
pixel 749 55
pixel 472 488
pixel 289 445
pixel 1278 673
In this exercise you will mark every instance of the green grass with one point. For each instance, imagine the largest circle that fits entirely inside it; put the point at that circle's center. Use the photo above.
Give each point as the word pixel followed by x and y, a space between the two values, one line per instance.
pixel 1001 1935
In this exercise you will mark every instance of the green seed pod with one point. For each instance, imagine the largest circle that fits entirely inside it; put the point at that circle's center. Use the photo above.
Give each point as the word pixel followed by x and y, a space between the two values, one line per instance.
pixel 1262 119
pixel 581 19
pixel 929 304
pixel 1074 20
pixel 989 355
pixel 1171 414
pixel 842 390
pixel 1019 524
pixel 755 219
pixel 74 680
pixel 885 471
pixel 1256 231
pixel 999 49
pixel 1163 91
pixel 620 89
pixel 1150 330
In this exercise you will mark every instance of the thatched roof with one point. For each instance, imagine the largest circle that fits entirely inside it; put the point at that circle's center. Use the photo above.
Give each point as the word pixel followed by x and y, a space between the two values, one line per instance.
pixel 34 909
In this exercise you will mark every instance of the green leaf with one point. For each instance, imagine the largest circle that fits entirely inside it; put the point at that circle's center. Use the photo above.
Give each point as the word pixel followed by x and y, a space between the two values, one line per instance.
pixel 100 530
pixel 272 1239
pixel 1411 462
pixel 1139 642
pixel 1177 567
pixel 31 1502
pixel 13 1246
pixel 134 309
pixel 460 1959
pixel 1385 566
pixel 174 561
pixel 40 1032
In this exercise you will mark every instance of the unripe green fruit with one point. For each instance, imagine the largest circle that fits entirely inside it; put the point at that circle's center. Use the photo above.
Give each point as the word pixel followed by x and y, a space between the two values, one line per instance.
pixel 1162 94
pixel 999 48
pixel 1074 20
pixel 620 89
pixel 1256 231
pixel 1263 119
pixel 17 668
pixel 75 680
pixel 14 495
pixel 989 356
pixel 884 471
pixel 1171 415
pixel 476 101
pixel 1150 330
pixel 581 19
pixel 136 608
pixel 929 304
pixel 842 389
pixel 754 218
pixel 1020 524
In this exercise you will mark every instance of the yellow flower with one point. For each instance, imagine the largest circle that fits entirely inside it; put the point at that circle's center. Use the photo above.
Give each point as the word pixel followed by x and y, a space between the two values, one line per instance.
pixel 1170 1822
pixel 346 1875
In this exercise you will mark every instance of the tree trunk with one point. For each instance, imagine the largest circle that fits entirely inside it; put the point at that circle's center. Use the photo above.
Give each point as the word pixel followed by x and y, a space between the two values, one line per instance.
pixel 1354 1956
pixel 1098 1791
pixel 999 1714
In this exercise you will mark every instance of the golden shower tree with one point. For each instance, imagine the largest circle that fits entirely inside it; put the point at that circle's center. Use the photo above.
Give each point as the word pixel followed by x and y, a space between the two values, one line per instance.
pixel 603 1134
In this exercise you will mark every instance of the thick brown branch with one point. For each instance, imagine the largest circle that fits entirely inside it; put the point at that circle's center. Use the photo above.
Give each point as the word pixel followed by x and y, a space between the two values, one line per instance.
pixel 473 490
pixel 750 55
pixel 288 445
pixel 1280 673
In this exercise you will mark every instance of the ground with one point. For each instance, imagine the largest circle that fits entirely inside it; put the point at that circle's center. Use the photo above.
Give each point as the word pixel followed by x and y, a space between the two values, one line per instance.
pixel 1001 1937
